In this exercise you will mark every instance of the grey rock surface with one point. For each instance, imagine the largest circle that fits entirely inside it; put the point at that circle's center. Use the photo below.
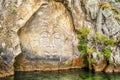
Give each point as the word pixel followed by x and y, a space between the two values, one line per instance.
pixel 34 30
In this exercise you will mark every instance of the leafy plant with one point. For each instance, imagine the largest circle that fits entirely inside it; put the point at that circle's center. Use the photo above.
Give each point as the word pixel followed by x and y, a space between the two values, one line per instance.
pixel 82 36
pixel 100 37
pixel 110 42
pixel 90 60
pixel 99 54
pixel 13 9
pixel 107 52
pixel 82 46
pixel 83 32
pixel 90 50
pixel 104 39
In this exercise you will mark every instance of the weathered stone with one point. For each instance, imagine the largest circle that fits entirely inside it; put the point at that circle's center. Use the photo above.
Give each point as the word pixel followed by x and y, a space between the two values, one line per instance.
pixel 46 29
pixel 9 49
pixel 92 7
pixel 109 69
pixel 48 36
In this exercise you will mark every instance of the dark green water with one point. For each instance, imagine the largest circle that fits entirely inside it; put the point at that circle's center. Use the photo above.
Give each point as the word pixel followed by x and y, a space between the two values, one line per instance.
pixel 76 74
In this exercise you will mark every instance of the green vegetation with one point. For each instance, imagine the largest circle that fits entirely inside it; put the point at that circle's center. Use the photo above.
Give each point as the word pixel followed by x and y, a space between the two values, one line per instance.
pixel 115 10
pixel 82 36
pixel 82 47
pixel 90 50
pixel 110 42
pixel 13 9
pixel 107 42
pixel 104 39
pixel 90 60
pixel 17 65
pixel 100 38
pixel 99 54
pixel 83 32
pixel 107 52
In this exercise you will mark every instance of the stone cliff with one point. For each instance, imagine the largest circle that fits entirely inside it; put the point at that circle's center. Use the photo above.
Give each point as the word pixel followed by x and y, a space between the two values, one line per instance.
pixel 59 34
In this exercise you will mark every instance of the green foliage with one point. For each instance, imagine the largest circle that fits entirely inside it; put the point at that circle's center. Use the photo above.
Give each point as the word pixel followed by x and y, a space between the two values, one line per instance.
pixel 107 52
pixel 82 36
pixel 100 37
pixel 82 46
pixel 89 78
pixel 104 39
pixel 99 55
pixel 110 42
pixel 90 60
pixel 90 50
pixel 107 42
pixel 13 9
pixel 83 32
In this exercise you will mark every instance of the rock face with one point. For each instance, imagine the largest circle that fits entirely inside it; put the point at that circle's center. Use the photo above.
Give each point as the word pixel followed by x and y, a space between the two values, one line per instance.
pixel 42 35
pixel 47 37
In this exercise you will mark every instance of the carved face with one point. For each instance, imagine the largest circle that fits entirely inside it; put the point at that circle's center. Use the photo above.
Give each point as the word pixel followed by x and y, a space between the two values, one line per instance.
pixel 51 41
pixel 49 35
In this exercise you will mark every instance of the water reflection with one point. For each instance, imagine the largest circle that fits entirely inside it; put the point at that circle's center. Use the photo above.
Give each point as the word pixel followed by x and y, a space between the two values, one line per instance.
pixel 75 74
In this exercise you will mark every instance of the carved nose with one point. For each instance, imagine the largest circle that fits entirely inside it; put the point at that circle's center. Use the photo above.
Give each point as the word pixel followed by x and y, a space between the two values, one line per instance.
pixel 52 45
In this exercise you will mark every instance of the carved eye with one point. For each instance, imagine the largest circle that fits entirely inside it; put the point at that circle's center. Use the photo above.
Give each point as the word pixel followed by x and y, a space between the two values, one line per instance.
pixel 57 35
pixel 44 5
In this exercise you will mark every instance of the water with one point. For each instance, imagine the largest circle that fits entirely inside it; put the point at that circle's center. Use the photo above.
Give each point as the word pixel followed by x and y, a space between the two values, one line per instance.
pixel 73 74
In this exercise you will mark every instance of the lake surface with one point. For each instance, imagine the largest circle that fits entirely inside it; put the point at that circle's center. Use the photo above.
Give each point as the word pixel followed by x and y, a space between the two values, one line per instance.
pixel 73 74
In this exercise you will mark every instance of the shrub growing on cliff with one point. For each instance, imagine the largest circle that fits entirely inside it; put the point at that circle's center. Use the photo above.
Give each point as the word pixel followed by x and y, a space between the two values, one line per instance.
pixel 82 36
pixel 13 9
pixel 104 39
pixel 82 46
pixel 99 54
pixel 106 43
pixel 90 50
pixel 100 38
pixel 90 60
pixel 82 33
pixel 107 52
pixel 110 42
